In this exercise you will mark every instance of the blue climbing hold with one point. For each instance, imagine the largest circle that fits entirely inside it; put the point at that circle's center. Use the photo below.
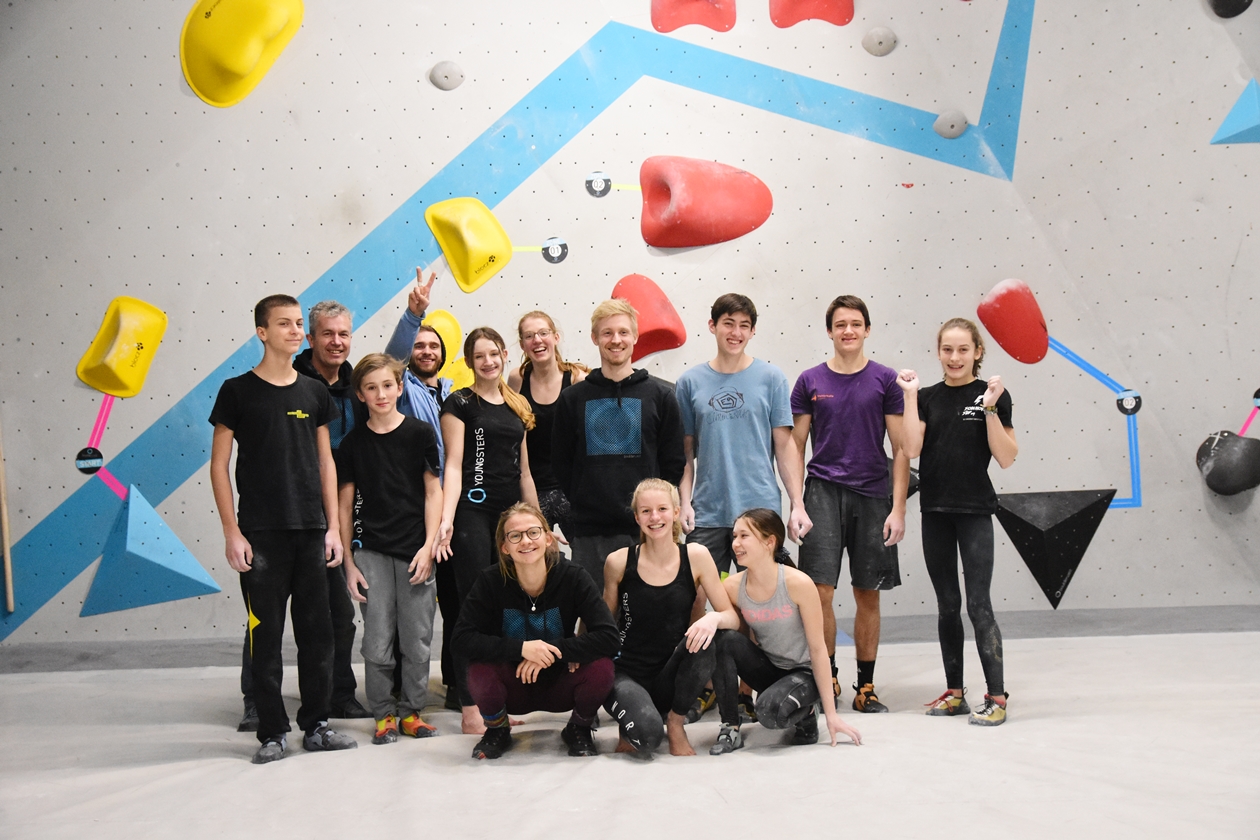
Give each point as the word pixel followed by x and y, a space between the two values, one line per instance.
pixel 144 563
pixel 1242 124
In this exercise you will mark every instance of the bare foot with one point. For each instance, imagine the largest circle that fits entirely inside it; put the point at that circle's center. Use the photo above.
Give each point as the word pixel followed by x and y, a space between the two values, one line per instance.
pixel 623 746
pixel 678 743
pixel 472 723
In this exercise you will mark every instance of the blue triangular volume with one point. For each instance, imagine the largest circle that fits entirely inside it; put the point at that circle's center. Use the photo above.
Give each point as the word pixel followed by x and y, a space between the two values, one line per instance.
pixel 144 563
pixel 1242 124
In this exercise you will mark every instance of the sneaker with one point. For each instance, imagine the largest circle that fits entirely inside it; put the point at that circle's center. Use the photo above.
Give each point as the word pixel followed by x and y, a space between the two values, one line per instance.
pixel 249 721
pixel 728 740
pixel 707 700
pixel 747 709
pixel 352 709
pixel 496 741
pixel 414 726
pixel 272 749
pixel 992 713
pixel 947 705
pixel 579 740
pixel 806 731
pixel 866 701
pixel 325 739
pixel 386 730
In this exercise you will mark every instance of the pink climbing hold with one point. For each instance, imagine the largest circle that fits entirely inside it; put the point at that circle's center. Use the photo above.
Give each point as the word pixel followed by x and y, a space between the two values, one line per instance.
pixel 1011 315
pixel 787 13
pixel 660 327
pixel 668 15
pixel 689 202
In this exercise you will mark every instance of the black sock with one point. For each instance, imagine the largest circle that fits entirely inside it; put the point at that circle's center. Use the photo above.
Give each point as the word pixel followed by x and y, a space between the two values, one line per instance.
pixel 866 672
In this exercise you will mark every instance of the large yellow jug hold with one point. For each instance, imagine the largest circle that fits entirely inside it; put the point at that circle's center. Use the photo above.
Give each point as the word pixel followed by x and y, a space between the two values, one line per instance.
pixel 452 337
pixel 118 359
pixel 475 244
pixel 227 46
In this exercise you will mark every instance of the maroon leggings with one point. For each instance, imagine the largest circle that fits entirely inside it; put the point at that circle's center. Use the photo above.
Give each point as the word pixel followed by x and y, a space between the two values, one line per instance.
pixel 494 686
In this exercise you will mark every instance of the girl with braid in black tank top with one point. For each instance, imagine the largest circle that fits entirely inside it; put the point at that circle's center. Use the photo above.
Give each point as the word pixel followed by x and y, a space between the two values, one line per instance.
pixel 665 657
pixel 543 374
pixel 787 664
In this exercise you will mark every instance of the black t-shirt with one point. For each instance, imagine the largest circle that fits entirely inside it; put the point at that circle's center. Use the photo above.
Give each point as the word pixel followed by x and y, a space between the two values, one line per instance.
pixel 492 451
pixel 277 457
pixel 539 437
pixel 954 466
pixel 387 471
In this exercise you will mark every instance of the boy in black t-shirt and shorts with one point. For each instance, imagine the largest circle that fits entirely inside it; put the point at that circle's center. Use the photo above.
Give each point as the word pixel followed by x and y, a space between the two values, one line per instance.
pixel 285 532
pixel 392 461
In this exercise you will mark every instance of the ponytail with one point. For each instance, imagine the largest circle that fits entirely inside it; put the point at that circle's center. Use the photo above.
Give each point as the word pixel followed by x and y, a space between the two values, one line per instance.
pixel 518 404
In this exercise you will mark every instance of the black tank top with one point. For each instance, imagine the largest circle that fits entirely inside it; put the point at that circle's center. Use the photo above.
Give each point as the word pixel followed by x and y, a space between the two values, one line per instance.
pixel 538 438
pixel 654 619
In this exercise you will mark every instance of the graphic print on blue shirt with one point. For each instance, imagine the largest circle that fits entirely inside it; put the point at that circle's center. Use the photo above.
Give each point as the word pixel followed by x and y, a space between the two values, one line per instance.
pixel 531 626
pixel 614 429
pixel 729 402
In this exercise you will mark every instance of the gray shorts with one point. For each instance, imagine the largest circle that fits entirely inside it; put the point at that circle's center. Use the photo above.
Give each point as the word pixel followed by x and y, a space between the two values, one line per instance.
pixel 844 519
pixel 718 541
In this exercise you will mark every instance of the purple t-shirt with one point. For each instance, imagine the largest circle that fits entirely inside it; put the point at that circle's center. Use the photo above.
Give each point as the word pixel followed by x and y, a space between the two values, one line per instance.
pixel 848 424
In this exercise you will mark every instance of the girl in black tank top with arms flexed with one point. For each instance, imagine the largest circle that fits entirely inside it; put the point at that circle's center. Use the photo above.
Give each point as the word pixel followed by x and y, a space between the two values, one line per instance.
pixel 665 657
pixel 543 374
pixel 787 665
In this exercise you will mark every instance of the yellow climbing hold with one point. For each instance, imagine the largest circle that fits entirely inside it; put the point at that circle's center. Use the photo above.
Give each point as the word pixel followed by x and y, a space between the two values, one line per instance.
pixel 118 359
pixel 460 374
pixel 452 336
pixel 475 244
pixel 227 46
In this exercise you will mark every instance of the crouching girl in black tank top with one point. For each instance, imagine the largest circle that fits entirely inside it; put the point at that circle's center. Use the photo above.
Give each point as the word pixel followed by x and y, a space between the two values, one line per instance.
pixel 665 658
pixel 787 665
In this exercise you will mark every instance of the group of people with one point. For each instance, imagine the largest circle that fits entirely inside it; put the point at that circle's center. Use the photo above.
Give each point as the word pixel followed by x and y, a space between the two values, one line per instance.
pixel 380 485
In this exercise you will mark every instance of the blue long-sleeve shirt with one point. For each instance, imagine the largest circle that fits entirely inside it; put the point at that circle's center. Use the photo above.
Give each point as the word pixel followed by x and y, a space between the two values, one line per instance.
pixel 417 399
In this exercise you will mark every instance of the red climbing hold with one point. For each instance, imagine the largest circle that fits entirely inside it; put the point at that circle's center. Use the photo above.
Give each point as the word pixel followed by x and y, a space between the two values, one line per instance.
pixel 787 13
pixel 668 15
pixel 1011 314
pixel 689 202
pixel 660 328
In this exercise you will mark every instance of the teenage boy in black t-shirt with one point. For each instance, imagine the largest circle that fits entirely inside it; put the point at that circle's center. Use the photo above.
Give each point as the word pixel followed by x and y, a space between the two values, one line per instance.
pixel 392 462
pixel 285 531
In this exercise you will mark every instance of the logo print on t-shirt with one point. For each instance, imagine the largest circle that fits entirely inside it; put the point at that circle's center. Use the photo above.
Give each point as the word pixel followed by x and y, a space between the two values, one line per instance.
pixel 614 427
pixel 299 414
pixel 975 410
pixel 726 401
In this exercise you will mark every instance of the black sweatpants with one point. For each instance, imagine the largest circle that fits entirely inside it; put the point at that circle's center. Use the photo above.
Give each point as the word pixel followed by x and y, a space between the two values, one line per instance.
pixel 289 565
pixel 946 536
pixel 784 696
pixel 640 706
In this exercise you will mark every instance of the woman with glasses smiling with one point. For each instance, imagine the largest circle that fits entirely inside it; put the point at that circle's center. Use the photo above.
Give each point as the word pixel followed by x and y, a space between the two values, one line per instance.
pixel 543 374
pixel 516 631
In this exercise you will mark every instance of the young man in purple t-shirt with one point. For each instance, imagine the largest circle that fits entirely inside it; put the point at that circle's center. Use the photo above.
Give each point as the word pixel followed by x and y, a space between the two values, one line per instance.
pixel 847 405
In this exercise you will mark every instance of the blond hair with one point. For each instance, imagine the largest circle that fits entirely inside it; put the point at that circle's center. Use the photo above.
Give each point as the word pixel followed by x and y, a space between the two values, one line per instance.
pixel 527 364
pixel 506 566
pixel 648 485
pixel 615 306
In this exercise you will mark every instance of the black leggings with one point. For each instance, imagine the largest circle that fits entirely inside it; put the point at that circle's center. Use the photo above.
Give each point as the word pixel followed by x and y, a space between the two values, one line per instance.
pixel 472 550
pixel 784 696
pixel 640 707
pixel 945 537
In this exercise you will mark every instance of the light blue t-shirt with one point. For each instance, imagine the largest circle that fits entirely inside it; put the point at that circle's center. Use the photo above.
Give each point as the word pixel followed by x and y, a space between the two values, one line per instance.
pixel 732 417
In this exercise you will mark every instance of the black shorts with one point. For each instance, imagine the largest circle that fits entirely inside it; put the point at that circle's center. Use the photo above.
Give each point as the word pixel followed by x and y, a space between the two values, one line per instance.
pixel 718 541
pixel 844 519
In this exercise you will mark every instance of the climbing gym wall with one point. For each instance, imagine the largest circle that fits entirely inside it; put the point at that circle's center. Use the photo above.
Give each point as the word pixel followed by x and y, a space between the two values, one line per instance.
pixel 918 155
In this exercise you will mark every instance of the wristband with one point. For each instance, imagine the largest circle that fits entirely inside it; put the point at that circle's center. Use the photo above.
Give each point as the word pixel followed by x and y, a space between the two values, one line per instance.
pixel 990 409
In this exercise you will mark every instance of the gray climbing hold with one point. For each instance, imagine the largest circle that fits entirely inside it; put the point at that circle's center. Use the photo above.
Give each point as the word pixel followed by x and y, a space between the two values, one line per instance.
pixel 879 41
pixel 446 75
pixel 950 124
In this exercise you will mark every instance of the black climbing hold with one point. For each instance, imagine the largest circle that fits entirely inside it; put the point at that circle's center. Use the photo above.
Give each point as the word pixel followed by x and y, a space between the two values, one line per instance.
pixel 598 184
pixel 1129 402
pixel 1230 464
pixel 1051 532
pixel 1255 398
pixel 554 250
pixel 89 460
pixel 914 479
pixel 1230 8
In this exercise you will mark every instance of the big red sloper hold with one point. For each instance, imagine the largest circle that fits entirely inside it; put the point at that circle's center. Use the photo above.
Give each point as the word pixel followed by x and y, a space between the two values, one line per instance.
pixel 660 327
pixel 689 202
pixel 1011 315
pixel 668 15
pixel 787 13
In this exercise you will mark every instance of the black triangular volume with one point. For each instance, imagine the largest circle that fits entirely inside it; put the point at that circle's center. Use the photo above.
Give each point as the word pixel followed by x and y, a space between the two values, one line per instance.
pixel 1051 531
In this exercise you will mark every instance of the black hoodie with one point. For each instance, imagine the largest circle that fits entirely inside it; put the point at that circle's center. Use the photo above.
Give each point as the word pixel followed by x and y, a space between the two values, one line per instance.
pixel 608 436
pixel 353 411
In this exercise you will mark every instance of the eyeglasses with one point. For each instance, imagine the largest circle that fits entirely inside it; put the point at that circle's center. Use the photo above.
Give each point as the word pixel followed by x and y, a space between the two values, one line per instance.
pixel 515 537
pixel 544 333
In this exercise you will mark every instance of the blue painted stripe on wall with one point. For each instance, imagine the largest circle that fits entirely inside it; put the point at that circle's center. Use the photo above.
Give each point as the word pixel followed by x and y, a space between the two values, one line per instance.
pixel 170 451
